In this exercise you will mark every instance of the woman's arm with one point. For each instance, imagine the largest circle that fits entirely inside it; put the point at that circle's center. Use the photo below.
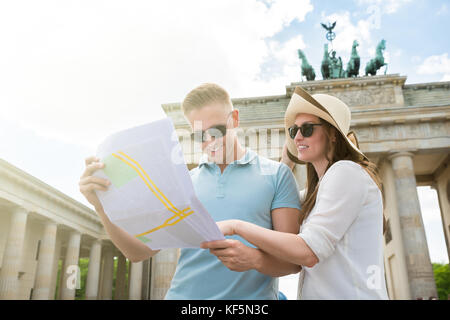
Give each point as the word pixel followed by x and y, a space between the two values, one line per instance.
pixel 337 207
pixel 238 257
pixel 275 267
pixel 285 246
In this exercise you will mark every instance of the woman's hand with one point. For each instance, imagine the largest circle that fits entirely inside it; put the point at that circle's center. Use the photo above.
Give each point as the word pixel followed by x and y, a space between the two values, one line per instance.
pixel 227 227
pixel 235 255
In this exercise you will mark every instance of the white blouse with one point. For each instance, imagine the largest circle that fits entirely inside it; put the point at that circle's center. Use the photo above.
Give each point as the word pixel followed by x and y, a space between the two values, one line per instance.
pixel 345 231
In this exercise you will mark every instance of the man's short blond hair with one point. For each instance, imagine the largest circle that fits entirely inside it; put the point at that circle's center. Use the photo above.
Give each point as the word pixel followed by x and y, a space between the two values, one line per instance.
pixel 206 94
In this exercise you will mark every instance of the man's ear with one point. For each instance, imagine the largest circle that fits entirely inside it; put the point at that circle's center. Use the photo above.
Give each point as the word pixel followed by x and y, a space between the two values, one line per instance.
pixel 235 116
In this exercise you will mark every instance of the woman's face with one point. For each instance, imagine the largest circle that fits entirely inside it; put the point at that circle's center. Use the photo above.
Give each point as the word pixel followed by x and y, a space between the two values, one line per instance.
pixel 310 149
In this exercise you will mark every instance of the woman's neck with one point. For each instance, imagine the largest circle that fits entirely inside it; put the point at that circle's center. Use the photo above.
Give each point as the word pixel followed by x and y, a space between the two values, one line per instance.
pixel 320 166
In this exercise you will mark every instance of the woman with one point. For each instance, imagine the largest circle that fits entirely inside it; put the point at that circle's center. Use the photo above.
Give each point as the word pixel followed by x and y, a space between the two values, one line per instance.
pixel 340 244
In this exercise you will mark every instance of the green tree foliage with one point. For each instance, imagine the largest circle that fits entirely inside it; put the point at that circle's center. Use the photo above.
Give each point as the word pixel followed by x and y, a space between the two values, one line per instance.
pixel 442 278
pixel 83 264
pixel 80 294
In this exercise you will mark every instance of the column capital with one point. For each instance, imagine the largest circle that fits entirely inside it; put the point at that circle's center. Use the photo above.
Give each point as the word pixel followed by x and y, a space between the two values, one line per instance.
pixel 76 232
pixel 50 222
pixel 97 241
pixel 19 209
pixel 107 244
pixel 401 153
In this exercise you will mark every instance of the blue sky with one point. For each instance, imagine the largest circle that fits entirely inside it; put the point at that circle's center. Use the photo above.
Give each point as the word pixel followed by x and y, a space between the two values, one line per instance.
pixel 414 31
pixel 72 72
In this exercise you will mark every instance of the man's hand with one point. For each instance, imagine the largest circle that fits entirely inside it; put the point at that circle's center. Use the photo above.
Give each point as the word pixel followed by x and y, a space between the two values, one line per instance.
pixel 235 255
pixel 89 183
pixel 285 158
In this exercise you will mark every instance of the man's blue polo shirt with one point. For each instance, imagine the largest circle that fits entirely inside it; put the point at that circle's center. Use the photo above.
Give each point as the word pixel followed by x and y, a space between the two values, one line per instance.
pixel 248 190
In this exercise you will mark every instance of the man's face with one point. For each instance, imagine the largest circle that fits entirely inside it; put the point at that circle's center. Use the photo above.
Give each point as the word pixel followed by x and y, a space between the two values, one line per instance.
pixel 207 118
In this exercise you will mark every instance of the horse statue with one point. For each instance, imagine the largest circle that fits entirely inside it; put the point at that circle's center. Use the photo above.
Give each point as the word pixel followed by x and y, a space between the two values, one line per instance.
pixel 325 67
pixel 307 69
pixel 354 63
pixel 378 62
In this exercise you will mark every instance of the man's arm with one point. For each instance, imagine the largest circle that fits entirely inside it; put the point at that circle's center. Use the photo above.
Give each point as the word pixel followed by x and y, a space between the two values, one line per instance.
pixel 133 249
pixel 236 256
pixel 284 220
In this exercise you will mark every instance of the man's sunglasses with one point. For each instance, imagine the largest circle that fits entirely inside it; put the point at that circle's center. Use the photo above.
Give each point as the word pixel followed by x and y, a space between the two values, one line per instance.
pixel 306 129
pixel 217 132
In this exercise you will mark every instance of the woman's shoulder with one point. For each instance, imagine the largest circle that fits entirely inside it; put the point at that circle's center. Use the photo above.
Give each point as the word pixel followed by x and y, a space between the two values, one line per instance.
pixel 345 163
pixel 344 167
pixel 348 174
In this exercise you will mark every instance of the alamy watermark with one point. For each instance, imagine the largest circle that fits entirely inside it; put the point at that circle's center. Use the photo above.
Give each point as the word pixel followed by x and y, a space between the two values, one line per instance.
pixel 73 280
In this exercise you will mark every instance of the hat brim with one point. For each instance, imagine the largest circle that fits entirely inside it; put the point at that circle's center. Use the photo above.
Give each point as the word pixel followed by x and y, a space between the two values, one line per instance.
pixel 302 102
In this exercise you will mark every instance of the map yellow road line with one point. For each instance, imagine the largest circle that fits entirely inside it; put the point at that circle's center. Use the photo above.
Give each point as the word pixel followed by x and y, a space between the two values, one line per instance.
pixel 180 214
pixel 166 224
pixel 172 208
pixel 150 180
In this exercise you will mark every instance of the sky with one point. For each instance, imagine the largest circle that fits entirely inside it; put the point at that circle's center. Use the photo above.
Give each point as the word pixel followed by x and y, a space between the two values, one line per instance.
pixel 73 72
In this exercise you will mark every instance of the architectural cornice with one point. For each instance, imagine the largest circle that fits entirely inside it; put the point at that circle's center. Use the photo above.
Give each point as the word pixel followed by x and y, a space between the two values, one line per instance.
pixel 41 188
pixel 427 85
pixel 176 106
pixel 345 83
pixel 400 115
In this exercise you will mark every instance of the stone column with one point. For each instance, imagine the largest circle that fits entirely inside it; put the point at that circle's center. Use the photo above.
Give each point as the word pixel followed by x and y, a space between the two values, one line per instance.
pixel 55 268
pixel 44 272
pixel 93 274
pixel 108 273
pixel 121 285
pixel 394 254
pixel 61 273
pixel 146 276
pixel 70 272
pixel 420 272
pixel 9 282
pixel 442 187
pixel 164 264
pixel 135 281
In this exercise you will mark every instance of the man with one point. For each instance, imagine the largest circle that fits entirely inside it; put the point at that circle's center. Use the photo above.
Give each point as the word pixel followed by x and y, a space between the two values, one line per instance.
pixel 232 183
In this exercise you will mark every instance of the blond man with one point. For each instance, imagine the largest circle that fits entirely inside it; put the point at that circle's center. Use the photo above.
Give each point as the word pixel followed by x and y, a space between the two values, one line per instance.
pixel 232 183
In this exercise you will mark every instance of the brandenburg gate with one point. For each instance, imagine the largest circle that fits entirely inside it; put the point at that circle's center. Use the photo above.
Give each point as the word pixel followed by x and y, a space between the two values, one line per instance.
pixel 404 129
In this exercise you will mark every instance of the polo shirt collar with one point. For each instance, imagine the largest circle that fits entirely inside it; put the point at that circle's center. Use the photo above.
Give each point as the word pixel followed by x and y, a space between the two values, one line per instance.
pixel 248 156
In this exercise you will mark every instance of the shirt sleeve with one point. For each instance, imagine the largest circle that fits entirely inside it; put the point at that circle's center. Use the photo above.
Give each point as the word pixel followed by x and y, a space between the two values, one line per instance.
pixel 340 198
pixel 286 194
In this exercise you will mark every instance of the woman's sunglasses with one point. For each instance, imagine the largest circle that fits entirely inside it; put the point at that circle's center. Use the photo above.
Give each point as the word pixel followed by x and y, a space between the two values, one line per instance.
pixel 306 129
pixel 217 132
